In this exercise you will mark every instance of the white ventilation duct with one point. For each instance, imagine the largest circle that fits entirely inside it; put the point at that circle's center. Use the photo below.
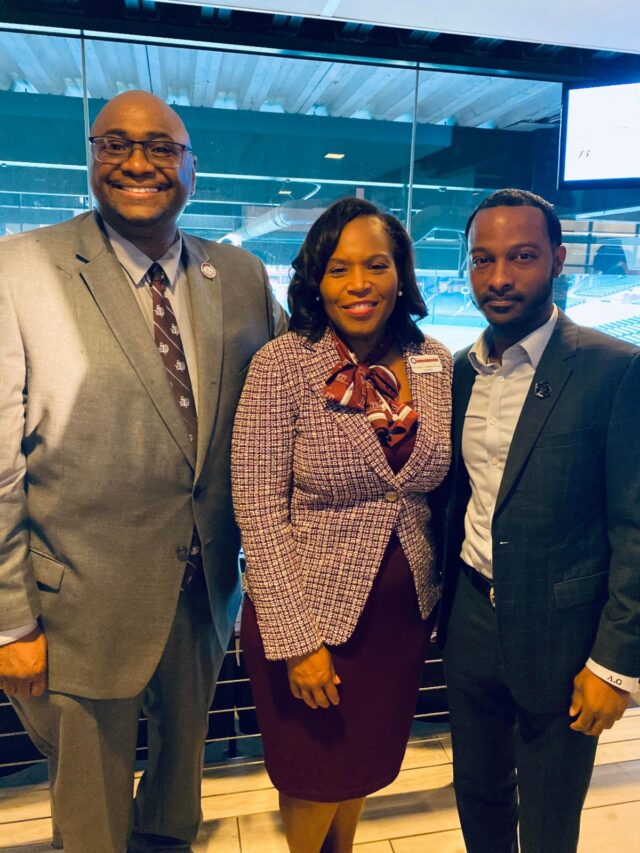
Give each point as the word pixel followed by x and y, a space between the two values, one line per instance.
pixel 291 213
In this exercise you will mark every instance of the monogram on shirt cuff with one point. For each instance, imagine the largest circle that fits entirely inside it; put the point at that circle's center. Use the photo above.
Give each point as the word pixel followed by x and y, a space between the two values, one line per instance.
pixel 623 682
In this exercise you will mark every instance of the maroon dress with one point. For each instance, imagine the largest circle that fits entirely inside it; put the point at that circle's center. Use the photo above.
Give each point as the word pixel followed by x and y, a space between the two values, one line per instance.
pixel 354 748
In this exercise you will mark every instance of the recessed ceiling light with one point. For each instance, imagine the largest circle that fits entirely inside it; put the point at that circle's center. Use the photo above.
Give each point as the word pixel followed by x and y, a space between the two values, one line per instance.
pixel 332 155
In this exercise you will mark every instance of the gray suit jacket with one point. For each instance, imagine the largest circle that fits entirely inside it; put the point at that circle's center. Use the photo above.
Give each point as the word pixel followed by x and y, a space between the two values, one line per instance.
pixel 566 527
pixel 99 485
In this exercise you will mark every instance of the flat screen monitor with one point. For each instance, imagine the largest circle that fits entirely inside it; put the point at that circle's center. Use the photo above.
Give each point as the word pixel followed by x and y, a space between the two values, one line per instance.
pixel 600 136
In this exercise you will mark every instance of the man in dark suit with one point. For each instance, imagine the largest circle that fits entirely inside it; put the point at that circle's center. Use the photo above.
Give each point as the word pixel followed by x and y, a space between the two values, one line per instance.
pixel 541 610
pixel 123 348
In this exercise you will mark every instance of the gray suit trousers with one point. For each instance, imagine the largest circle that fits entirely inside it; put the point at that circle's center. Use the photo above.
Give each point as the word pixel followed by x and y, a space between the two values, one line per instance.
pixel 91 747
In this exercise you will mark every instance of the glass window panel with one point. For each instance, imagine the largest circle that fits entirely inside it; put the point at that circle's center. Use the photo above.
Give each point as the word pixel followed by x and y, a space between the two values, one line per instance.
pixel 603 273
pixel 474 134
pixel 478 133
pixel 261 127
pixel 42 151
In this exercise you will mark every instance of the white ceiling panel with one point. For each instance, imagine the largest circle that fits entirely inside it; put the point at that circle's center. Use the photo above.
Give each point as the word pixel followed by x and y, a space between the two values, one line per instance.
pixel 238 81
pixel 575 23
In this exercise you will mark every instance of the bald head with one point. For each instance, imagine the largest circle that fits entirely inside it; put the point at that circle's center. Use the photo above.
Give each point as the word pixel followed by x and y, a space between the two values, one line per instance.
pixel 143 105
pixel 139 199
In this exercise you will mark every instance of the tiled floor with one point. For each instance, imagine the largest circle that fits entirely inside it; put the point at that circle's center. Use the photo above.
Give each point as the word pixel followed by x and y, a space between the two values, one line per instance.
pixel 415 814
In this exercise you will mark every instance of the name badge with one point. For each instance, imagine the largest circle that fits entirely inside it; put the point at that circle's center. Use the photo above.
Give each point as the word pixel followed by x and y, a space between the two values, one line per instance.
pixel 425 364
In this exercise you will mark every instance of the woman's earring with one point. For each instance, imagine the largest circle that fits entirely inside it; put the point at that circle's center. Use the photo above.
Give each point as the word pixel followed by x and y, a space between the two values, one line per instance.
pixel 317 298
pixel 399 293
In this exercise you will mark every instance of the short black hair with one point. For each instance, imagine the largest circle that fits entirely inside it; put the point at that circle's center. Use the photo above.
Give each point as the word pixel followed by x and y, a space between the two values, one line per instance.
pixel 521 198
pixel 308 316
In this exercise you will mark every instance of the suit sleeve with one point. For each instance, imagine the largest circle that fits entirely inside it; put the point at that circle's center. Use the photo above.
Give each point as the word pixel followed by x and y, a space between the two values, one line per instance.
pixel 262 475
pixel 18 592
pixel 617 645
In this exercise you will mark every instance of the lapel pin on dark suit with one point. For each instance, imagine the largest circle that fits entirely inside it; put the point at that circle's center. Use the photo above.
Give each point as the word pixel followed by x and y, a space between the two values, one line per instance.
pixel 208 270
pixel 542 389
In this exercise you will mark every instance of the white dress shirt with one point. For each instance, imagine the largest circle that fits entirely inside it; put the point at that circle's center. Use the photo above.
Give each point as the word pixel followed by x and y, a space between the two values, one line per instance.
pixel 135 265
pixel 494 407
pixel 496 401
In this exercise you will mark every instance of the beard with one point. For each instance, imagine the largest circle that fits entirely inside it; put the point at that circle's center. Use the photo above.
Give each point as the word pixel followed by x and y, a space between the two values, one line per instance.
pixel 534 314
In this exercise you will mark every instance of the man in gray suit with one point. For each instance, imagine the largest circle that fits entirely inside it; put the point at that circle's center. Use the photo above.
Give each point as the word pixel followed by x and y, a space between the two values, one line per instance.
pixel 541 610
pixel 118 547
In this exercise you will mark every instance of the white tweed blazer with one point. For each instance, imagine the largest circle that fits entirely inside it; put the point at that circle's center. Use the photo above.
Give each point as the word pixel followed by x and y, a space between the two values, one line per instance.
pixel 315 497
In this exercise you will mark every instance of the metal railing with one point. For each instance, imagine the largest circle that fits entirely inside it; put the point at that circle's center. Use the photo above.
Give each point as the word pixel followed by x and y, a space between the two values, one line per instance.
pixel 231 716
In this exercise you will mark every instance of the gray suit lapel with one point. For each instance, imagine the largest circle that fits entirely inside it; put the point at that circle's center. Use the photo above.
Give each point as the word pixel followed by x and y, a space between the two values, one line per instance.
pixel 206 311
pixel 102 274
pixel 554 369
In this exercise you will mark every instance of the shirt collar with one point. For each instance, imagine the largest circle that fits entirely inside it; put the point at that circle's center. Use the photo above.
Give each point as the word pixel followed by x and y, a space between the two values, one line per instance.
pixel 136 263
pixel 531 346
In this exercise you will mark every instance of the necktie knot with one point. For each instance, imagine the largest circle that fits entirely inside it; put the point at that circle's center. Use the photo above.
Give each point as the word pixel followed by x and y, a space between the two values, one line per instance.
pixel 156 277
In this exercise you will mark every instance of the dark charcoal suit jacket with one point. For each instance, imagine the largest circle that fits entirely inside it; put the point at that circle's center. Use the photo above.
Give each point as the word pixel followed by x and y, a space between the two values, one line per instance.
pixel 566 527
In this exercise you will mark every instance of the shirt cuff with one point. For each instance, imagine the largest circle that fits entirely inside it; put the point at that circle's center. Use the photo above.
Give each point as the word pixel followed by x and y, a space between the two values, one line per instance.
pixel 623 682
pixel 18 633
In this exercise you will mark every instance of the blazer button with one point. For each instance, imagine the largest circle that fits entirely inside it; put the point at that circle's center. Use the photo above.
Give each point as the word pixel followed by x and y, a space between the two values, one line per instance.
pixel 391 496
pixel 197 492
pixel 182 552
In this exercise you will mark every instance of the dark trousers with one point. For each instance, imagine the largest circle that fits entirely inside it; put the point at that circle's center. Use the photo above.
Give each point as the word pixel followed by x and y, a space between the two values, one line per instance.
pixel 512 769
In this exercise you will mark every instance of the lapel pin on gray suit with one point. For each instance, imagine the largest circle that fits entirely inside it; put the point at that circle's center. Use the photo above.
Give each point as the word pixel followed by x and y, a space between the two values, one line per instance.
pixel 208 270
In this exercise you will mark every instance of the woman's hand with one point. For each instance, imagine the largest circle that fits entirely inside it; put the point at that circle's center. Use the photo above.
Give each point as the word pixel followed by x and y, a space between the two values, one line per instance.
pixel 313 679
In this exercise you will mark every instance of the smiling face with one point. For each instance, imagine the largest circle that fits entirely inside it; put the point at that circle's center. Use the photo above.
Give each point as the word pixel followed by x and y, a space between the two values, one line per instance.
pixel 141 201
pixel 360 284
pixel 512 264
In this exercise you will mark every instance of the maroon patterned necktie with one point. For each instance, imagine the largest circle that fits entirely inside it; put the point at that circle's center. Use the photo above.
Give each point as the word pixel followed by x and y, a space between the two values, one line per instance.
pixel 169 343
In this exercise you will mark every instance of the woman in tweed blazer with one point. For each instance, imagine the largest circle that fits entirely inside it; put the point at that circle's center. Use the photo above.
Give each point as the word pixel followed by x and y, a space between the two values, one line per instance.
pixel 340 569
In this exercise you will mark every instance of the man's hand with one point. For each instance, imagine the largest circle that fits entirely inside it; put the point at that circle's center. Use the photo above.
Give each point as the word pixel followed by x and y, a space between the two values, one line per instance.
pixel 313 679
pixel 597 703
pixel 23 665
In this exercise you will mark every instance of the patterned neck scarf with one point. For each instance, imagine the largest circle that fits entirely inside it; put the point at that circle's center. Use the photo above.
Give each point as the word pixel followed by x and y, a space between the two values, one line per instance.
pixel 372 389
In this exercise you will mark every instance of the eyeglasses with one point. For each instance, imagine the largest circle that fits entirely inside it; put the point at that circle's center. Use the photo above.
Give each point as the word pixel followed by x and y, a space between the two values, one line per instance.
pixel 158 152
